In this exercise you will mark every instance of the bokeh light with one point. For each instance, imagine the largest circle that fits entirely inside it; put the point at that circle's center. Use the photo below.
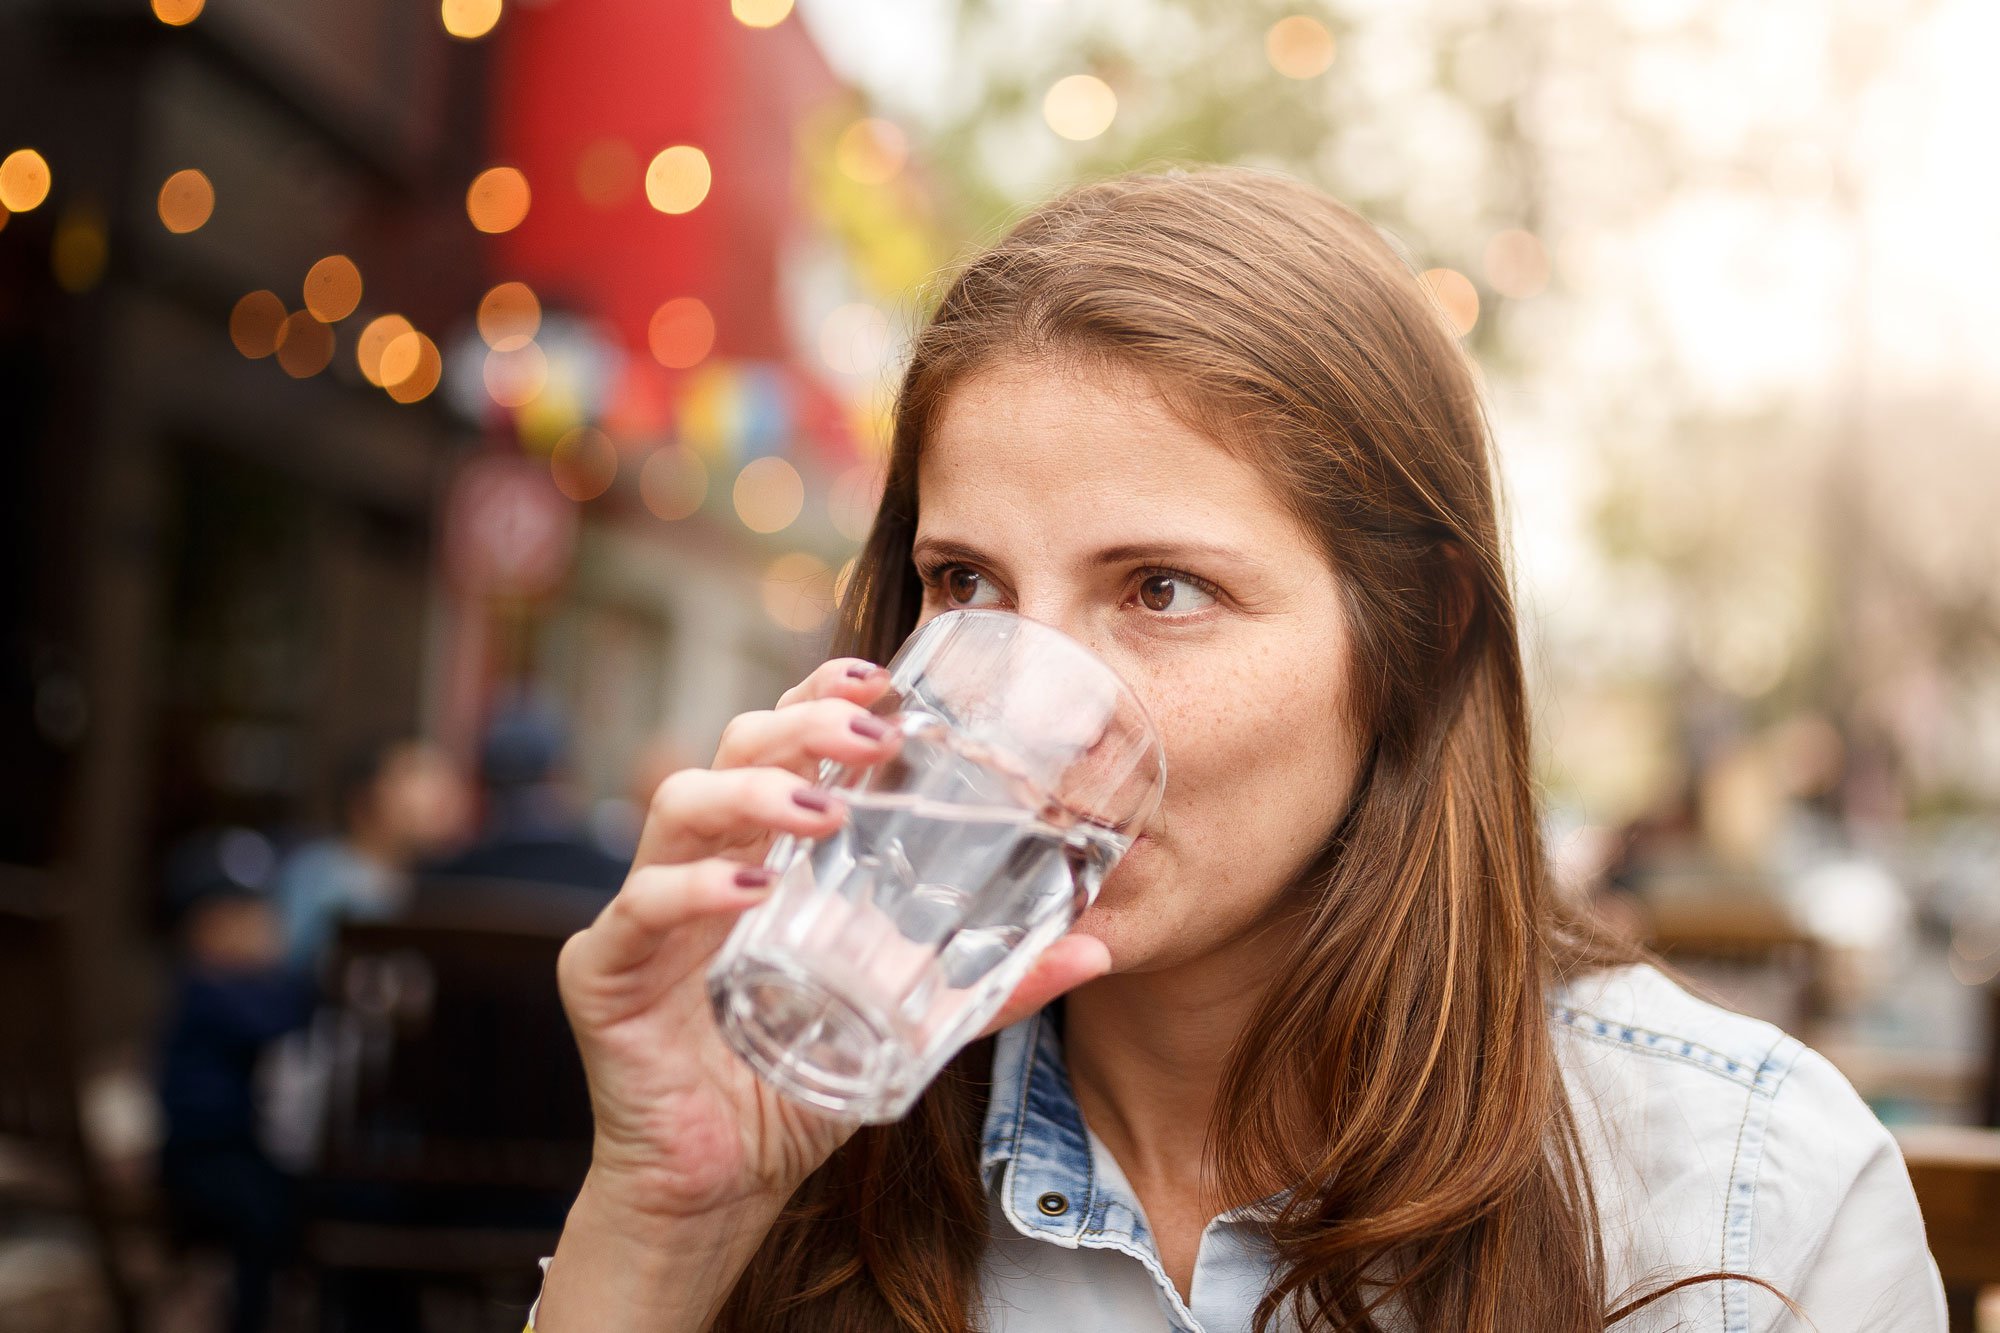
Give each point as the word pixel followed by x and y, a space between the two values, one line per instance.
pixel 497 200
pixel 253 324
pixel 332 288
pixel 760 13
pixel 516 377
pixel 80 249
pixel 469 20
pixel 305 346
pixel 1080 107
pixel 853 499
pixel 768 494
pixel 673 483
pixel 871 151
pixel 1456 295
pixel 1517 264
pixel 678 179
pixel 411 367
pixel 607 172
pixel 177 13
pixel 1299 47
pixel 374 341
pixel 187 201
pixel 509 316
pixel 798 591
pixel 854 339
pixel 681 333
pixel 24 180
pixel 584 463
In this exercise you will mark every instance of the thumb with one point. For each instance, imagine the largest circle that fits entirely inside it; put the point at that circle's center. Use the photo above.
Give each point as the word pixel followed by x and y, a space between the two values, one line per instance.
pixel 1072 960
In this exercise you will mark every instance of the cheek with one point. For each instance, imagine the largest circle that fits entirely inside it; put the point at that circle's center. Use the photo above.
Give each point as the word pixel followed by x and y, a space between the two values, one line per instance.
pixel 1260 765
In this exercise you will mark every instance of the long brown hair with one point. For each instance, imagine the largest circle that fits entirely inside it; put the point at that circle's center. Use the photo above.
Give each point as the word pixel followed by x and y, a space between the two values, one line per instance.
pixel 1435 1162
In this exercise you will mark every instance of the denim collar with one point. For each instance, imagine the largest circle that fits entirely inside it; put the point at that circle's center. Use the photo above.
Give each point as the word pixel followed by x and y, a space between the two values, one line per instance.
pixel 1038 1160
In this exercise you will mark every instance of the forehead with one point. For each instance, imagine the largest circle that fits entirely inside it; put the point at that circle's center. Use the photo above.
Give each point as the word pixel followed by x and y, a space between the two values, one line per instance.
pixel 1086 454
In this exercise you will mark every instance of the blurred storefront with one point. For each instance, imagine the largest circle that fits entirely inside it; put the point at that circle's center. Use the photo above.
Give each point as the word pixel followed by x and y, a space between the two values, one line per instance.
pixel 224 544
pixel 358 370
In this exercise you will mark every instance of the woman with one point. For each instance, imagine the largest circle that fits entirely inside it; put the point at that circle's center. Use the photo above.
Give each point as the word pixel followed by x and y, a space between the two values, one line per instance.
pixel 1330 1053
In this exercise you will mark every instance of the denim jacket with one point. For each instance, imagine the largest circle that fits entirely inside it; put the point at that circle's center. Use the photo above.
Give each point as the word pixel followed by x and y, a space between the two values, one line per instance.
pixel 1715 1141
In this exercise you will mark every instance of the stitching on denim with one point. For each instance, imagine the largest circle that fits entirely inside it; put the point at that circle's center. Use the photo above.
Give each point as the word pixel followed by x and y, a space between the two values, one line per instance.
pixel 1624 1037
pixel 1736 1295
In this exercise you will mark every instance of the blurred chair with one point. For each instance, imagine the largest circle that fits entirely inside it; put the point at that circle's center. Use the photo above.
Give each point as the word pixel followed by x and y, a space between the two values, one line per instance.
pixel 1956 1172
pixel 41 1114
pixel 1745 949
pixel 458 1126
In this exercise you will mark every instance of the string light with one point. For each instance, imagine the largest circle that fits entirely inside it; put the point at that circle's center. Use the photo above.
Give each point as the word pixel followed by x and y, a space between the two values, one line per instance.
pixel 1299 47
pixel 760 13
pixel 253 324
pixel 177 13
pixel 681 333
pixel 497 200
pixel 374 342
pixel 187 201
pixel 516 377
pixel 469 20
pixel 416 357
pixel 1080 107
pixel 24 180
pixel 509 316
pixel 678 179
pixel 305 346
pixel 768 494
pixel 333 288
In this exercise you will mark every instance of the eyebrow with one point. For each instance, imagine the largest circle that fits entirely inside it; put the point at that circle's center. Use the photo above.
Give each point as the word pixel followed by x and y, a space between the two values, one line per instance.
pixel 943 548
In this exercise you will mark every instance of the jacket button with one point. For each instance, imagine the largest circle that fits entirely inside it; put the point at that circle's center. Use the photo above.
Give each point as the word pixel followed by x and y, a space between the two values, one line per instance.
pixel 1052 1204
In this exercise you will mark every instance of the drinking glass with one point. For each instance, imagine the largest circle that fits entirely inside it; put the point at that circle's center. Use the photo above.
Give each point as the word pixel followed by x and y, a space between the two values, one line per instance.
pixel 1023 769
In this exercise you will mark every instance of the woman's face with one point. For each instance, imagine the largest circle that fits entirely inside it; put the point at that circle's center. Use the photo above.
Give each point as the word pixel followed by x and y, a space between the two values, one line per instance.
pixel 1219 610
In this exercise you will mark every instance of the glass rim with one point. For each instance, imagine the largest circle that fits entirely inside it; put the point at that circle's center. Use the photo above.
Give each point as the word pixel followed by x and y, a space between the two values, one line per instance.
pixel 1123 687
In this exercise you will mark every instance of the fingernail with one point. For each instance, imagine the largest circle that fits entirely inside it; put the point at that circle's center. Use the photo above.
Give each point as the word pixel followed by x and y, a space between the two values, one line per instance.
pixel 863 670
pixel 812 800
pixel 874 728
pixel 755 878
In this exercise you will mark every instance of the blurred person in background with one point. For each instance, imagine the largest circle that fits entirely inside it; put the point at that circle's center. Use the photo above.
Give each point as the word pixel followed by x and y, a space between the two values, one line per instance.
pixel 616 820
pixel 533 829
pixel 234 994
pixel 399 803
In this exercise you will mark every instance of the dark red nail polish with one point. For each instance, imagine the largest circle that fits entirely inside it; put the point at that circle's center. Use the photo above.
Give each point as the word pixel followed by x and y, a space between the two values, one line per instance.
pixel 874 728
pixel 755 878
pixel 812 800
pixel 862 670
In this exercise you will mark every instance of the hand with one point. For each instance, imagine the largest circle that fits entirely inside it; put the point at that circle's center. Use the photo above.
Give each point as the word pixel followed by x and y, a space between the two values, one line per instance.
pixel 683 1127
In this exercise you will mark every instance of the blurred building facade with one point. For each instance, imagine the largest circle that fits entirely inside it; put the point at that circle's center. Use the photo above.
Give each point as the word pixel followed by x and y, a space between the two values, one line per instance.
pixel 242 546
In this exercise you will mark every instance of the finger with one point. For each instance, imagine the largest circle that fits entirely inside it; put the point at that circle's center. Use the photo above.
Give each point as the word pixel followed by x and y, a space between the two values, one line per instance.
pixel 853 678
pixel 799 736
pixel 1072 960
pixel 656 902
pixel 700 812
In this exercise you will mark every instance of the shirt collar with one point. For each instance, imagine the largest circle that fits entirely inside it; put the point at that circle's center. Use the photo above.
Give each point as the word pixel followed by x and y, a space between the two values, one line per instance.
pixel 1036 1154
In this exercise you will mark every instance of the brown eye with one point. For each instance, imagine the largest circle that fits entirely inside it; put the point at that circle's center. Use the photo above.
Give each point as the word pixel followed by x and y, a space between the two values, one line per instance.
pixel 961 584
pixel 1157 592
